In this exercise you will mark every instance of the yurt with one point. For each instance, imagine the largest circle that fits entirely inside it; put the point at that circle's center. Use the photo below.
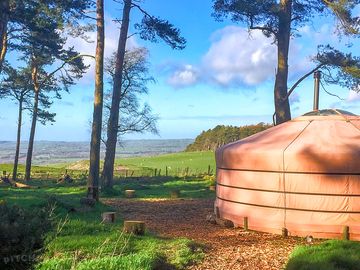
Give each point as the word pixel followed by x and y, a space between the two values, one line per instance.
pixel 302 176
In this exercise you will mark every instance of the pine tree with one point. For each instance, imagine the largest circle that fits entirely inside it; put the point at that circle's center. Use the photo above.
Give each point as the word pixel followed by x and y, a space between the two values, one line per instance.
pixel 17 86
pixel 42 47
pixel 280 20
pixel 94 169
pixel 150 28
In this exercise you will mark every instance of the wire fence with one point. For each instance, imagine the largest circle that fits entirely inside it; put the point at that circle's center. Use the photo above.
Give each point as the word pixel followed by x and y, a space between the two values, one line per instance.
pixel 55 174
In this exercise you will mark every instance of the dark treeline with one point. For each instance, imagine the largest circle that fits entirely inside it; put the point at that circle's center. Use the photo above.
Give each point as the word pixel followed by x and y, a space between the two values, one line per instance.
pixel 221 135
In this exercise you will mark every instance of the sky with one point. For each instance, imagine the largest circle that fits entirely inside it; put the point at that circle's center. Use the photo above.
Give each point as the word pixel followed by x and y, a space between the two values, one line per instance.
pixel 224 76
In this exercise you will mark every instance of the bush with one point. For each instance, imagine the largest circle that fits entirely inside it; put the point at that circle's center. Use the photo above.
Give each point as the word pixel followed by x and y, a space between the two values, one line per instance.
pixel 22 236
pixel 330 255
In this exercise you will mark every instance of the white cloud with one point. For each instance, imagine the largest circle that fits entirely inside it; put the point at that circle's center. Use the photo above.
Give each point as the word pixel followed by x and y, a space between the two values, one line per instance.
pixel 353 96
pixel 235 57
pixel 185 76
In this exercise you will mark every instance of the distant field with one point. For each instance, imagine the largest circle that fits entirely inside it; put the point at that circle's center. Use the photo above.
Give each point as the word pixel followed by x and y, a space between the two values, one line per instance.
pixel 53 152
pixel 178 164
pixel 196 162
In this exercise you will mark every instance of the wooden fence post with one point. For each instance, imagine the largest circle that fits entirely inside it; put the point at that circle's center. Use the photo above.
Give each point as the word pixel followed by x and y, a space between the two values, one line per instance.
pixel 166 171
pixel 346 234
pixel 246 223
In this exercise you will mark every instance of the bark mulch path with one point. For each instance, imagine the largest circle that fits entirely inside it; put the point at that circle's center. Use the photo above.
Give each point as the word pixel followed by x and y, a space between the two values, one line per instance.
pixel 225 248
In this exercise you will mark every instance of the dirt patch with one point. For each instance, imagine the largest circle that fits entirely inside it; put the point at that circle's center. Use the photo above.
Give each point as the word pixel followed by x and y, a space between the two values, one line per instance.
pixel 79 165
pixel 225 248
pixel 83 165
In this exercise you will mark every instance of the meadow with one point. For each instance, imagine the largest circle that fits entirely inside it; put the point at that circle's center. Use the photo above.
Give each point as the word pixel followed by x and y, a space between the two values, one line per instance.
pixel 82 241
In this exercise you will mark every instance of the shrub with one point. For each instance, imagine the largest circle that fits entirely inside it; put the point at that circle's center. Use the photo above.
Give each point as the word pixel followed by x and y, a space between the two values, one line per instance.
pixel 210 178
pixel 22 236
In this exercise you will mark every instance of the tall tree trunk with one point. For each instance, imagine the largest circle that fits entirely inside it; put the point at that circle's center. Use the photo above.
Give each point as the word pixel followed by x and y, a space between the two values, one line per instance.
pixel 282 106
pixel 18 138
pixel 33 124
pixel 94 170
pixel 112 131
pixel 4 18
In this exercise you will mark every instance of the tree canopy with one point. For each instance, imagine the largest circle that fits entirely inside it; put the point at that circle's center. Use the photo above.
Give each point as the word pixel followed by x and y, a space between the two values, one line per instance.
pixel 221 135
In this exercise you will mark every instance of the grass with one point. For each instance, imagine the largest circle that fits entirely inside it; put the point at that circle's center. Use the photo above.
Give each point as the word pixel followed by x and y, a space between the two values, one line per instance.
pixel 83 242
pixel 330 255
pixel 195 161
pixel 178 164
pixel 161 187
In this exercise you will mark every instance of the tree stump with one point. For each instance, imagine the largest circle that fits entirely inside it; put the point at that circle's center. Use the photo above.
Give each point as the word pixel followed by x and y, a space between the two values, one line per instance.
pixel 108 217
pixel 212 188
pixel 224 222
pixel 211 218
pixel 135 227
pixel 175 194
pixel 130 193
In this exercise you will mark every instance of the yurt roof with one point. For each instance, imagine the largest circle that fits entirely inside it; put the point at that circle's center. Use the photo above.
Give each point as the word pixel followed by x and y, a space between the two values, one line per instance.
pixel 324 141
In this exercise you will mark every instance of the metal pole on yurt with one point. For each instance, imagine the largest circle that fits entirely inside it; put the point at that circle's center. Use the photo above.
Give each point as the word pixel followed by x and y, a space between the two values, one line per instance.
pixel 317 77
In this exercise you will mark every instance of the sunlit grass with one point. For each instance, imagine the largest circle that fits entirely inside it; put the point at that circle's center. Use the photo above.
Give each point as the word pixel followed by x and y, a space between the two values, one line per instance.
pixel 83 242
pixel 195 161
pixel 330 255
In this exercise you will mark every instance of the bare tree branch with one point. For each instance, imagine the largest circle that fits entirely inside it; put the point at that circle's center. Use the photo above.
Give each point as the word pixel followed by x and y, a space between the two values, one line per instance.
pixel 49 76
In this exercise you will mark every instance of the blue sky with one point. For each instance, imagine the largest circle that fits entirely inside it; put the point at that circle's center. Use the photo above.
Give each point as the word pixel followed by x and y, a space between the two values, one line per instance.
pixel 223 76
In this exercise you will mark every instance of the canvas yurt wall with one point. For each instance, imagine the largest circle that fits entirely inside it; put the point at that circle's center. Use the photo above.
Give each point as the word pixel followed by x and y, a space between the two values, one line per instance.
pixel 302 175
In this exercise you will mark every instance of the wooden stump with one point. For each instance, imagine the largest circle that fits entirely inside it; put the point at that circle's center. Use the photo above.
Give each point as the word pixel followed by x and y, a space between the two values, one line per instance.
pixel 284 232
pixel 224 223
pixel 20 185
pixel 108 217
pixel 135 227
pixel 130 193
pixel 212 188
pixel 175 193
pixel 88 202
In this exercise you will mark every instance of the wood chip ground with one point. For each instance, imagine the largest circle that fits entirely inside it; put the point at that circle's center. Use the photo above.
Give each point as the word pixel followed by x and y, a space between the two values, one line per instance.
pixel 225 248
